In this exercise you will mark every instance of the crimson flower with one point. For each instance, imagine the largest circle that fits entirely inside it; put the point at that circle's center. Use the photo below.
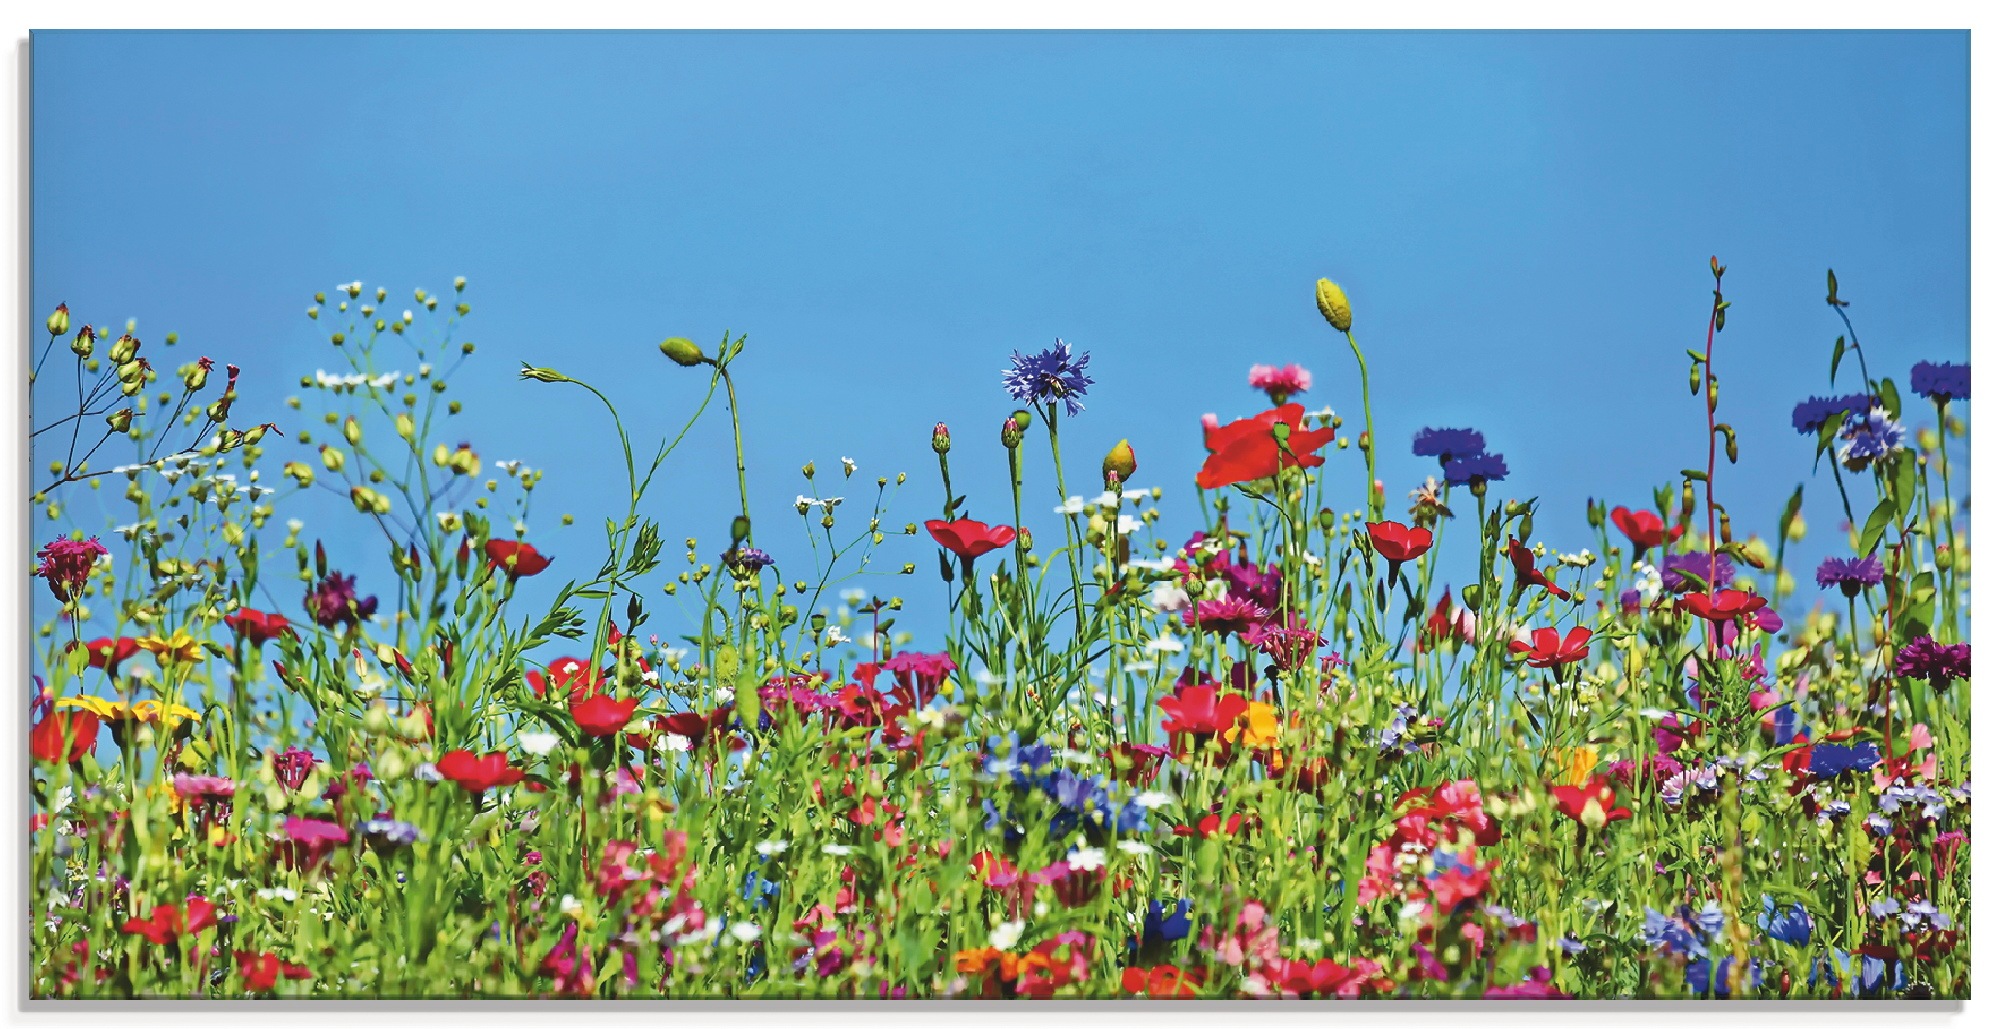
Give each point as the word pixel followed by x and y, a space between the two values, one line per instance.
pixel 108 652
pixel 169 922
pixel 1549 651
pixel 477 773
pixel 1163 982
pixel 1643 528
pixel 1593 804
pixel 565 673
pixel 260 972
pixel 1398 542
pixel 63 737
pixel 66 564
pixel 1525 572
pixel 257 626
pixel 1247 449
pixel 1201 712
pixel 704 732
pixel 969 538
pixel 1722 605
pixel 515 558
pixel 599 715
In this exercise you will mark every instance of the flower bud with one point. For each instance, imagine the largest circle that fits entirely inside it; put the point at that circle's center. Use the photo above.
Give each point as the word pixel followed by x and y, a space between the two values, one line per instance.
pixel 1333 306
pixel 85 343
pixel 1326 519
pixel 299 472
pixel 941 439
pixel 352 430
pixel 739 529
pixel 333 458
pixel 59 320
pixel 683 352
pixel 124 349
pixel 542 374
pixel 1120 461
pixel 406 426
pixel 119 420
pixel 1010 433
pixel 1796 530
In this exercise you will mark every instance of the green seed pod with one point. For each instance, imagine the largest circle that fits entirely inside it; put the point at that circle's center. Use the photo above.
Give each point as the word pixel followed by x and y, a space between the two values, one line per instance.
pixel 58 322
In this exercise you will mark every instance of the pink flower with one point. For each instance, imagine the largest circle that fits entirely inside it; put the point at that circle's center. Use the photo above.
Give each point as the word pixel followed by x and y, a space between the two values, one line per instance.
pixel 66 564
pixel 1228 615
pixel 1280 383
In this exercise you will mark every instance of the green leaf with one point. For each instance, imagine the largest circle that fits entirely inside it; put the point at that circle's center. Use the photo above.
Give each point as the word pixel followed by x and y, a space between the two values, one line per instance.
pixel 1903 483
pixel 1791 509
pixel 1892 401
pixel 1832 289
pixel 1698 476
pixel 1878 523
pixel 1839 351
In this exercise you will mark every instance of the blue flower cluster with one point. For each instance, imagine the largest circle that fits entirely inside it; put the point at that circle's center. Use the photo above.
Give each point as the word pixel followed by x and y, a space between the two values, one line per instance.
pixel 1082 801
pixel 1461 453
pixel 1812 412
pixel 1941 380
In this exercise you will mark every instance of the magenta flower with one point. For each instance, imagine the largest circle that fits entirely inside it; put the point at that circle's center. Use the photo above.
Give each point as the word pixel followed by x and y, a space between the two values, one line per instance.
pixel 1280 383
pixel 1230 614
pixel 1851 574
pixel 66 564
pixel 1926 658
pixel 334 603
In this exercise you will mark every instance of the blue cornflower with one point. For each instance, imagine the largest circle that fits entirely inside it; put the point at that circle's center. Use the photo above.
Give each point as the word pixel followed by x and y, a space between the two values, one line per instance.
pixel 1792 925
pixel 1163 926
pixel 1869 437
pixel 1850 573
pixel 1482 467
pixel 1830 759
pixel 1941 380
pixel 391 832
pixel 1685 932
pixel 1813 412
pixel 1704 976
pixel 1681 573
pixel 1048 376
pixel 1445 444
pixel 758 890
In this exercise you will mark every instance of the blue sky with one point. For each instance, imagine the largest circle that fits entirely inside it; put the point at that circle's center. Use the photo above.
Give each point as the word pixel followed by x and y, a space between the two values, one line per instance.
pixel 1523 222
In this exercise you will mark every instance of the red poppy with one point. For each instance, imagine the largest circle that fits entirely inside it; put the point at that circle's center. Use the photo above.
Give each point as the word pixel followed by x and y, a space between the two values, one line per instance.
pixel 169 922
pixel 968 538
pixel 709 731
pixel 565 673
pixel 1398 542
pixel 478 773
pixel 108 652
pixel 598 715
pixel 1549 650
pixel 515 558
pixel 1722 605
pixel 1200 713
pixel 1247 449
pixel 1525 572
pixel 260 972
pixel 1211 825
pixel 63 737
pixel 1643 528
pixel 257 626
pixel 1593 804
pixel 1162 982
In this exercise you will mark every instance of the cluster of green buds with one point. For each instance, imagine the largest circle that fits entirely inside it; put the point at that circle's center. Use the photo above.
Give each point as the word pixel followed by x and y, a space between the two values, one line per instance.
pixel 462 461
pixel 1015 429
pixel 368 501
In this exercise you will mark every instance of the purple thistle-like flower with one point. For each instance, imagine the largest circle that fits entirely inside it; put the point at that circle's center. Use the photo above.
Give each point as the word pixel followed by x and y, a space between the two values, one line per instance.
pixel 1812 412
pixel 1476 468
pixel 1849 573
pixel 1941 380
pixel 1926 658
pixel 747 560
pixel 1048 376
pixel 1692 571
pixel 333 602
pixel 1446 444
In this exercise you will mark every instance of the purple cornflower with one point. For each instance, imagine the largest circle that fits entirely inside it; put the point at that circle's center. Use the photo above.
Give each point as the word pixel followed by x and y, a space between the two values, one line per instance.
pixel 1813 412
pixel 1941 380
pixel 747 561
pixel 1850 573
pixel 1692 571
pixel 1869 437
pixel 1475 468
pixel 333 602
pixel 1048 376
pixel 391 832
pixel 1445 444
pixel 1926 658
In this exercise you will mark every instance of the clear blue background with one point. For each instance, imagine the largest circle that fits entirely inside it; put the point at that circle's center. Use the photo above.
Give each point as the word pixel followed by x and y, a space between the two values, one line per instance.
pixel 1523 222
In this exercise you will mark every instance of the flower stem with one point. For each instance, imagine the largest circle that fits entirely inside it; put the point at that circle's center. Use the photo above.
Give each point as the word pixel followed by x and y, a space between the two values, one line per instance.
pixel 1374 501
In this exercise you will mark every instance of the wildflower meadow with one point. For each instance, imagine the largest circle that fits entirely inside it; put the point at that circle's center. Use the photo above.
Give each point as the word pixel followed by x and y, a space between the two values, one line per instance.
pixel 1251 736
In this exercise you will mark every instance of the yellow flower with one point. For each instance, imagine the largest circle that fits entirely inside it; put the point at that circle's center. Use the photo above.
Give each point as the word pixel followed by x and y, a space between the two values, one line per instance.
pixel 1257 726
pixel 1577 764
pixel 95 705
pixel 170 715
pixel 178 647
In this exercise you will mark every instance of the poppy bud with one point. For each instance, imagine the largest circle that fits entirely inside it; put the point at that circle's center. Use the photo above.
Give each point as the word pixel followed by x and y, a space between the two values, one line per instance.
pixel 683 352
pixel 1121 461
pixel 1326 519
pixel 85 343
pixel 119 420
pixel 941 439
pixel 59 320
pixel 1333 306
pixel 124 349
pixel 1471 596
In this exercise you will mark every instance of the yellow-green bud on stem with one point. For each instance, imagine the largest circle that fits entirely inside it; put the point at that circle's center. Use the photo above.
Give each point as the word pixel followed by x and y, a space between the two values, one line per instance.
pixel 59 320
pixel 542 374
pixel 1333 306
pixel 682 352
pixel 119 420
pixel 352 430
pixel 941 438
pixel 1120 461
pixel 85 343
pixel 124 349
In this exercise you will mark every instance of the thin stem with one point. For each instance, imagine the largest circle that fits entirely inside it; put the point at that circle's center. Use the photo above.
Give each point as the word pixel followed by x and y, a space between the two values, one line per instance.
pixel 1374 501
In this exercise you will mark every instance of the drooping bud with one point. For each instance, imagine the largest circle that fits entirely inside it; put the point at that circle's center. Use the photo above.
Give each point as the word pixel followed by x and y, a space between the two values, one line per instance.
pixel 1121 462
pixel 1333 306
pixel 683 352
pixel 59 320
pixel 941 439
